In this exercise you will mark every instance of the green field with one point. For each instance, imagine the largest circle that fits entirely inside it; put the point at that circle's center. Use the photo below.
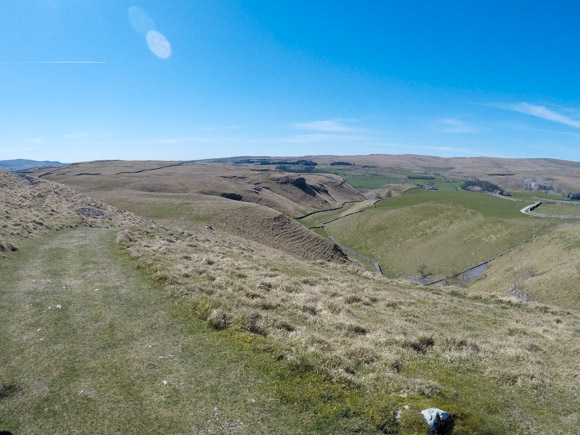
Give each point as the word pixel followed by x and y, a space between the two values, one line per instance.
pixel 559 209
pixel 444 231
pixel 367 179
pixel 532 196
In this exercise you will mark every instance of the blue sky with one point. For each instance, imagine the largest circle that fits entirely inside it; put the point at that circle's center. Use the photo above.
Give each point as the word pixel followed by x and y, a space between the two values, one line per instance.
pixel 192 79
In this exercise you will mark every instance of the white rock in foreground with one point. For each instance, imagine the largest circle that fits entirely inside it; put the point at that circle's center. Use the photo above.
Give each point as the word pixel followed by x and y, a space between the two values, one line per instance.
pixel 439 421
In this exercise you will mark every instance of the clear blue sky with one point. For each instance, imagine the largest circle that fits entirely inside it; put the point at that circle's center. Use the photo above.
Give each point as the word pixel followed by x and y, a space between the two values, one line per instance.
pixel 191 79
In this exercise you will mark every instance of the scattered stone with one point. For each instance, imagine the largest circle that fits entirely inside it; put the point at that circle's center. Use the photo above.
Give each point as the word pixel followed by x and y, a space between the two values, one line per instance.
pixel 518 294
pixel 124 237
pixel 439 421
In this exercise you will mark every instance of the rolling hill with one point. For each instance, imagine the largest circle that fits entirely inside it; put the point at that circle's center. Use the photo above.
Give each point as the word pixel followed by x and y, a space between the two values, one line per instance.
pixel 23 164
pixel 559 176
pixel 253 203
pixel 352 351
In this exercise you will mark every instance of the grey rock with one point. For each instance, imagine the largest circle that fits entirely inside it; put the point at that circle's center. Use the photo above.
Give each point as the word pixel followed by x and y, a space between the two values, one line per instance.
pixel 520 295
pixel 439 421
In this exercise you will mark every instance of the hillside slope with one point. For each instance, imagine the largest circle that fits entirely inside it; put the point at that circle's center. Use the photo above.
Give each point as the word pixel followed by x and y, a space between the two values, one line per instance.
pixel 30 207
pixel 239 201
pixel 510 174
pixel 361 353
pixel 489 360
pixel 545 270
pixel 111 356
pixel 292 194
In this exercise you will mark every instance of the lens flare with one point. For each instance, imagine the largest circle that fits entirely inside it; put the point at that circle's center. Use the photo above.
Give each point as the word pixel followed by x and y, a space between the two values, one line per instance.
pixel 158 44
pixel 140 20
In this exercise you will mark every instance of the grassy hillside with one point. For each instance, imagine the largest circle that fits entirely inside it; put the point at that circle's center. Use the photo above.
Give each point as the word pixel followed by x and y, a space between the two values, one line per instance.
pixel 545 270
pixel 386 345
pixel 293 194
pixel 444 230
pixel 561 209
pixel 31 207
pixel 321 342
pixel 509 174
pixel 253 203
pixel 251 221
pixel 89 345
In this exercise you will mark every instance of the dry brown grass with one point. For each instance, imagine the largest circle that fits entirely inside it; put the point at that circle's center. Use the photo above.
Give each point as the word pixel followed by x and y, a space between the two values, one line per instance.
pixel 546 269
pixel 476 354
pixel 171 196
pixel 292 194
pixel 31 207
pixel 489 359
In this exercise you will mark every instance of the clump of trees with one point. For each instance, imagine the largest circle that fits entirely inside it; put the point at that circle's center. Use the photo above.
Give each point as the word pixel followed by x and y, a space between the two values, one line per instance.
pixel 481 185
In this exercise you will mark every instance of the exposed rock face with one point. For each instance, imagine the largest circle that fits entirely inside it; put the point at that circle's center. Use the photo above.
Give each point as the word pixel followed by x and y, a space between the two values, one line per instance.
pixel 439 421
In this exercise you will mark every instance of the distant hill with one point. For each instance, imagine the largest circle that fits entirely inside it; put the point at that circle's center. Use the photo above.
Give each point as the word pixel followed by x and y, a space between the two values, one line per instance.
pixel 253 202
pixel 21 164
pixel 535 174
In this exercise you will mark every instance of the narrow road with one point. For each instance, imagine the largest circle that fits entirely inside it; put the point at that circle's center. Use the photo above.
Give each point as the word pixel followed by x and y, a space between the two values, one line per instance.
pixel 87 345
pixel 528 208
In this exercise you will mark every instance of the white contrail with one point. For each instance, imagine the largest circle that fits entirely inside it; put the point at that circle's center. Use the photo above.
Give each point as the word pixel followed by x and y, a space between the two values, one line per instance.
pixel 52 62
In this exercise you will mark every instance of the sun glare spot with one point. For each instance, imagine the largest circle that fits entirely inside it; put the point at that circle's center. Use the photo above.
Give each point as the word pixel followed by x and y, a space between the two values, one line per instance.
pixel 141 22
pixel 158 44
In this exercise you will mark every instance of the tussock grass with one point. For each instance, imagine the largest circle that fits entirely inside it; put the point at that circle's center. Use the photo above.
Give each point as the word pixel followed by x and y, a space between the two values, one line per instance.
pixel 487 359
pixel 545 270
pixel 31 207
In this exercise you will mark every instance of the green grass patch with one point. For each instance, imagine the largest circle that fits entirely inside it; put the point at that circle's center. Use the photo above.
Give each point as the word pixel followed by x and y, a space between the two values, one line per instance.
pixel 445 231
pixel 531 196
pixel 87 345
pixel 559 209
pixel 486 205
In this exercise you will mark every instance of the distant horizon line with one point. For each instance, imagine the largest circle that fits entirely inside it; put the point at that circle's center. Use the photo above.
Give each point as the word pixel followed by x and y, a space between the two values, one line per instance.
pixel 289 156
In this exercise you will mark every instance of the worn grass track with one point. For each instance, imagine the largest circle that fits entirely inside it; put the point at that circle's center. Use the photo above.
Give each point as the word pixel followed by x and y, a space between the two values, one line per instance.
pixel 87 345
